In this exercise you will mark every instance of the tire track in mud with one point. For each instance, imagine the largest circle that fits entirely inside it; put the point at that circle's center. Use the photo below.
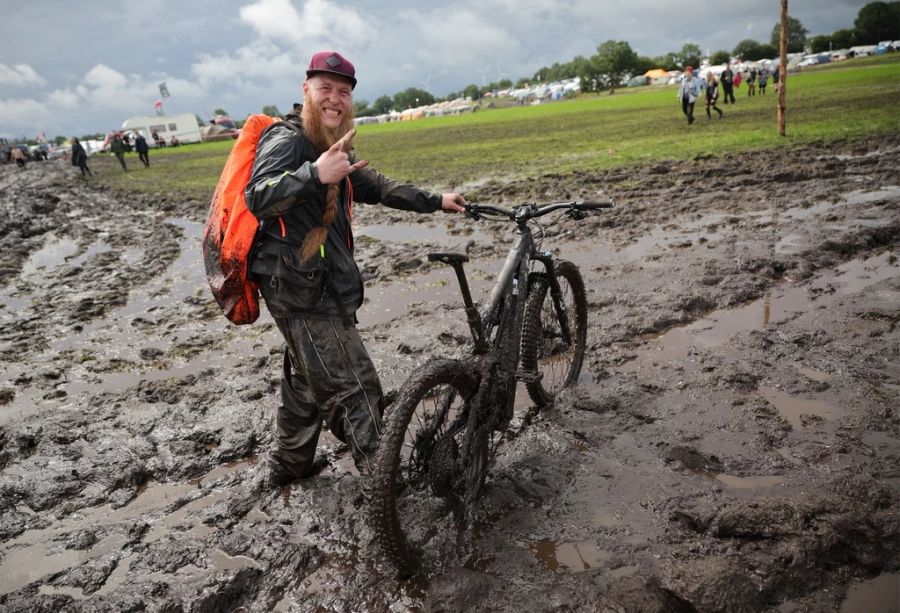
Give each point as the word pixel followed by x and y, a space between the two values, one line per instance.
pixel 678 485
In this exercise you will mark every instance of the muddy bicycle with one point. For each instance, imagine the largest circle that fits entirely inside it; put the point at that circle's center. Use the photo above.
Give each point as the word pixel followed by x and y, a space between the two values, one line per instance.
pixel 447 419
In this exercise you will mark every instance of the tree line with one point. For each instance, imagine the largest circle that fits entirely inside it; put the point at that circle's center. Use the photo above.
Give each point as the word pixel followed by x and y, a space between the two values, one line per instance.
pixel 615 60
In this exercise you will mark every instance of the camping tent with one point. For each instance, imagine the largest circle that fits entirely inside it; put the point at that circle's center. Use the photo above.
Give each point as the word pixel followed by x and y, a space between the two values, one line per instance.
pixel 657 75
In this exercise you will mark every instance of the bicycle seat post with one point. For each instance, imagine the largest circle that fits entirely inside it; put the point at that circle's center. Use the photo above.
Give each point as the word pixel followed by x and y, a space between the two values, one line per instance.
pixel 472 315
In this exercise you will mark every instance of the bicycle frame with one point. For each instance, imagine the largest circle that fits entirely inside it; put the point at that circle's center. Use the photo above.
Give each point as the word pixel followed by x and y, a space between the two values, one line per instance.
pixel 504 312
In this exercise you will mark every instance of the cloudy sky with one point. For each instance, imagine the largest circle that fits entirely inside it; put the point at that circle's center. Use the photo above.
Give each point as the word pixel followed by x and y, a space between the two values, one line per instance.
pixel 76 67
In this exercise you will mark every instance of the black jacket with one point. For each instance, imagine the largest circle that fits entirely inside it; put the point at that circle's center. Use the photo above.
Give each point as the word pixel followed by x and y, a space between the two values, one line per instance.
pixel 284 193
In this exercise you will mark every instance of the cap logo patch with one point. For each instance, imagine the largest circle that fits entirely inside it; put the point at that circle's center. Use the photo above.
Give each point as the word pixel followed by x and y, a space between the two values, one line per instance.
pixel 333 60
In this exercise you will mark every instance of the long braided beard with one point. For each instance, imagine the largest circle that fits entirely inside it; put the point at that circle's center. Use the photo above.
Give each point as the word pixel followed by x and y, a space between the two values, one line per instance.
pixel 322 138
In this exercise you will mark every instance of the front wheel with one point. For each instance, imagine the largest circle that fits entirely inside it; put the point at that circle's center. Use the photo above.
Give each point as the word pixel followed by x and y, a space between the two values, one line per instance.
pixel 417 467
pixel 547 350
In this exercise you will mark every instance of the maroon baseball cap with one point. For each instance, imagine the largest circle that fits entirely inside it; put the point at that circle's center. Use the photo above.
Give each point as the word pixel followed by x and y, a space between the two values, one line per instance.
pixel 333 62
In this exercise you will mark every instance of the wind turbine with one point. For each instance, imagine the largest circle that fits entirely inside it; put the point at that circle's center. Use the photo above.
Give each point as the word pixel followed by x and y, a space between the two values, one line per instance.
pixel 426 84
pixel 483 71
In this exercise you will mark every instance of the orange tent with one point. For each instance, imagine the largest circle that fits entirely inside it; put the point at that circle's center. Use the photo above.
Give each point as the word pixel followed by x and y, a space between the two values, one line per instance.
pixel 656 73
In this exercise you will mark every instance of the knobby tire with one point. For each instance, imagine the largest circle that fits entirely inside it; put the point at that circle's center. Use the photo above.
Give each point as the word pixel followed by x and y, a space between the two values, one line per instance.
pixel 402 470
pixel 543 348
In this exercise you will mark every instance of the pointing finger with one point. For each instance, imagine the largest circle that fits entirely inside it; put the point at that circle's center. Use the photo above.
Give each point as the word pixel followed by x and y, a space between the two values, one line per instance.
pixel 346 141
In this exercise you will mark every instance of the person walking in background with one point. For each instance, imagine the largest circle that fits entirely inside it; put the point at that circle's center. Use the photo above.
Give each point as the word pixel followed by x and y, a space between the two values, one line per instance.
pixel 737 79
pixel 712 94
pixel 727 78
pixel 118 149
pixel 79 158
pixel 688 93
pixel 142 148
pixel 763 81
pixel 751 82
pixel 18 157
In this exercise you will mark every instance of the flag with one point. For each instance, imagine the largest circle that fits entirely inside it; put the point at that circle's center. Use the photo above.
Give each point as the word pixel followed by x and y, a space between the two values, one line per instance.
pixel 158 106
pixel 163 90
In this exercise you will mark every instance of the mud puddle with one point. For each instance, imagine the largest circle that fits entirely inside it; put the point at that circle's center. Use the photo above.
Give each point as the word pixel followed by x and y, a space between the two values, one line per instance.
pixel 778 305
pixel 421 233
pixel 36 553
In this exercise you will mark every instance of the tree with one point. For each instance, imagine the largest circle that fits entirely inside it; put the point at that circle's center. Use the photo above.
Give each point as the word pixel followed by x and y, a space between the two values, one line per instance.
pixel 643 63
pixel 719 57
pixel 412 97
pixel 750 50
pixel 59 140
pixel 471 91
pixel 220 112
pixel 271 110
pixel 383 105
pixel 878 21
pixel 689 55
pixel 796 36
pixel 614 59
pixel 844 39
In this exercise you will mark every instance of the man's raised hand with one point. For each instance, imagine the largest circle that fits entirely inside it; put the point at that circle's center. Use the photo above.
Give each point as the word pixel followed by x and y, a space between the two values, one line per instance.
pixel 334 164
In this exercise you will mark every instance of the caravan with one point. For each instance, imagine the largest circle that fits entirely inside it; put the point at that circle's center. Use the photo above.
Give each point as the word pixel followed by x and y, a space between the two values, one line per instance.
pixel 183 127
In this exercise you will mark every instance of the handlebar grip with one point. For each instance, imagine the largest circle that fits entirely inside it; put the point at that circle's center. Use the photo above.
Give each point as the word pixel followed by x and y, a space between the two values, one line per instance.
pixel 590 205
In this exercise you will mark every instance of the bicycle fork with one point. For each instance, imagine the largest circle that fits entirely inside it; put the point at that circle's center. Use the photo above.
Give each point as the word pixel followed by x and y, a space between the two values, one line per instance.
pixel 559 304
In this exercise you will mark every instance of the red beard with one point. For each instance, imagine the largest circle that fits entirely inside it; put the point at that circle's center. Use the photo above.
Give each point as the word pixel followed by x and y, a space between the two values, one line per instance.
pixel 321 136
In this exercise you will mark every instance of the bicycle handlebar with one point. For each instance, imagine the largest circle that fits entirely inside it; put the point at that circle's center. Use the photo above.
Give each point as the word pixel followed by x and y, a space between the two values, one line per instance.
pixel 529 210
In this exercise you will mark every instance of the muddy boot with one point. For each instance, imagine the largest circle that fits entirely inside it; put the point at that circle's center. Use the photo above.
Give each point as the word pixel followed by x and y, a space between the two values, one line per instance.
pixel 280 474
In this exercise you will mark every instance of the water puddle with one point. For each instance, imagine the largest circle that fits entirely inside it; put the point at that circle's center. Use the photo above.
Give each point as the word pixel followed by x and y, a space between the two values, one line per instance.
pixel 793 409
pixel 38 553
pixel 437 286
pixel 223 561
pixel 569 557
pixel 813 374
pixel 878 595
pixel 409 232
pixel 54 253
pixel 115 579
pixel 860 196
pixel 778 305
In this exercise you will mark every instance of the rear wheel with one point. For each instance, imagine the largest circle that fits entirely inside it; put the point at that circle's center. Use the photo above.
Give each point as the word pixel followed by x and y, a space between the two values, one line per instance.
pixel 418 474
pixel 546 350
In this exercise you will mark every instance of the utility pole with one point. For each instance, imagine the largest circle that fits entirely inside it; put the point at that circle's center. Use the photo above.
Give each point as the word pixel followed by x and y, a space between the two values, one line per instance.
pixel 782 82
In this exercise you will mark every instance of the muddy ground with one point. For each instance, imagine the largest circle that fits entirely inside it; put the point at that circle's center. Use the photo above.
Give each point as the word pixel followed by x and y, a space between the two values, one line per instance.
pixel 734 443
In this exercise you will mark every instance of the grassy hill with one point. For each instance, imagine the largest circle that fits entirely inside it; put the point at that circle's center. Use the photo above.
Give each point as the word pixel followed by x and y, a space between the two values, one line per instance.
pixel 849 100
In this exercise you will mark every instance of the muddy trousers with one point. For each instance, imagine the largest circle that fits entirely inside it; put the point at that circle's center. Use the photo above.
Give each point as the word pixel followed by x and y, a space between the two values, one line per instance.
pixel 144 158
pixel 328 377
pixel 121 158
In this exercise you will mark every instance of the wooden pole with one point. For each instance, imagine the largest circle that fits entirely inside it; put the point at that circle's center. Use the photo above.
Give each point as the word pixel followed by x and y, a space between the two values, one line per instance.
pixel 782 81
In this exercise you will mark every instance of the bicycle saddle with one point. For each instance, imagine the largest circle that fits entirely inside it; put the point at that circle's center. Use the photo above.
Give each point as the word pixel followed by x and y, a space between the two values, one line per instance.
pixel 455 254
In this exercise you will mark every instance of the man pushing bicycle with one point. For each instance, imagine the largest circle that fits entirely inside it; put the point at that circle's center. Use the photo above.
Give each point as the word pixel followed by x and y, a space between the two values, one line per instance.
pixel 304 181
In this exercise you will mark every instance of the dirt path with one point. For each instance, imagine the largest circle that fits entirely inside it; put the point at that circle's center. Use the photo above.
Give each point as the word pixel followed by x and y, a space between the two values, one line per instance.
pixel 733 445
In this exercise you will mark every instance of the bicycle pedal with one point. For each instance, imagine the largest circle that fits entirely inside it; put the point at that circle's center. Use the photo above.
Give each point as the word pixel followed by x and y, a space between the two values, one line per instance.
pixel 529 376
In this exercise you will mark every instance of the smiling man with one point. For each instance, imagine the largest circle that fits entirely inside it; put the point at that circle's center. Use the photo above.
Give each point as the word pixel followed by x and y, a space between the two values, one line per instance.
pixel 305 178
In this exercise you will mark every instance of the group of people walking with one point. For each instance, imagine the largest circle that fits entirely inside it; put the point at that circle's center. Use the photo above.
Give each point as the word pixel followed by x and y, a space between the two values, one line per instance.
pixel 691 88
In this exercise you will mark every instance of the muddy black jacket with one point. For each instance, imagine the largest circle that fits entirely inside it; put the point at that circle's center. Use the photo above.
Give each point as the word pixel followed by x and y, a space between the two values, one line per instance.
pixel 284 193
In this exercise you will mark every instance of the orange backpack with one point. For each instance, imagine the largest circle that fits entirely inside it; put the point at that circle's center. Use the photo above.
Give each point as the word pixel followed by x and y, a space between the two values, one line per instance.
pixel 231 229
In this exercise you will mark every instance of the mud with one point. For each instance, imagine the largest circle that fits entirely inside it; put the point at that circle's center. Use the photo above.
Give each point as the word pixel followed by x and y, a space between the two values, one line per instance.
pixel 733 444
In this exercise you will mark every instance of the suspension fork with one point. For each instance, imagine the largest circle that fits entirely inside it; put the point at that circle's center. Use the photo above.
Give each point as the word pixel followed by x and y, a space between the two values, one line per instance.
pixel 546 258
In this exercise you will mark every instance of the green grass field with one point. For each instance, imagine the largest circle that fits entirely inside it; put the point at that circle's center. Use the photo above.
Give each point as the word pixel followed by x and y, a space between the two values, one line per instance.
pixel 849 100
